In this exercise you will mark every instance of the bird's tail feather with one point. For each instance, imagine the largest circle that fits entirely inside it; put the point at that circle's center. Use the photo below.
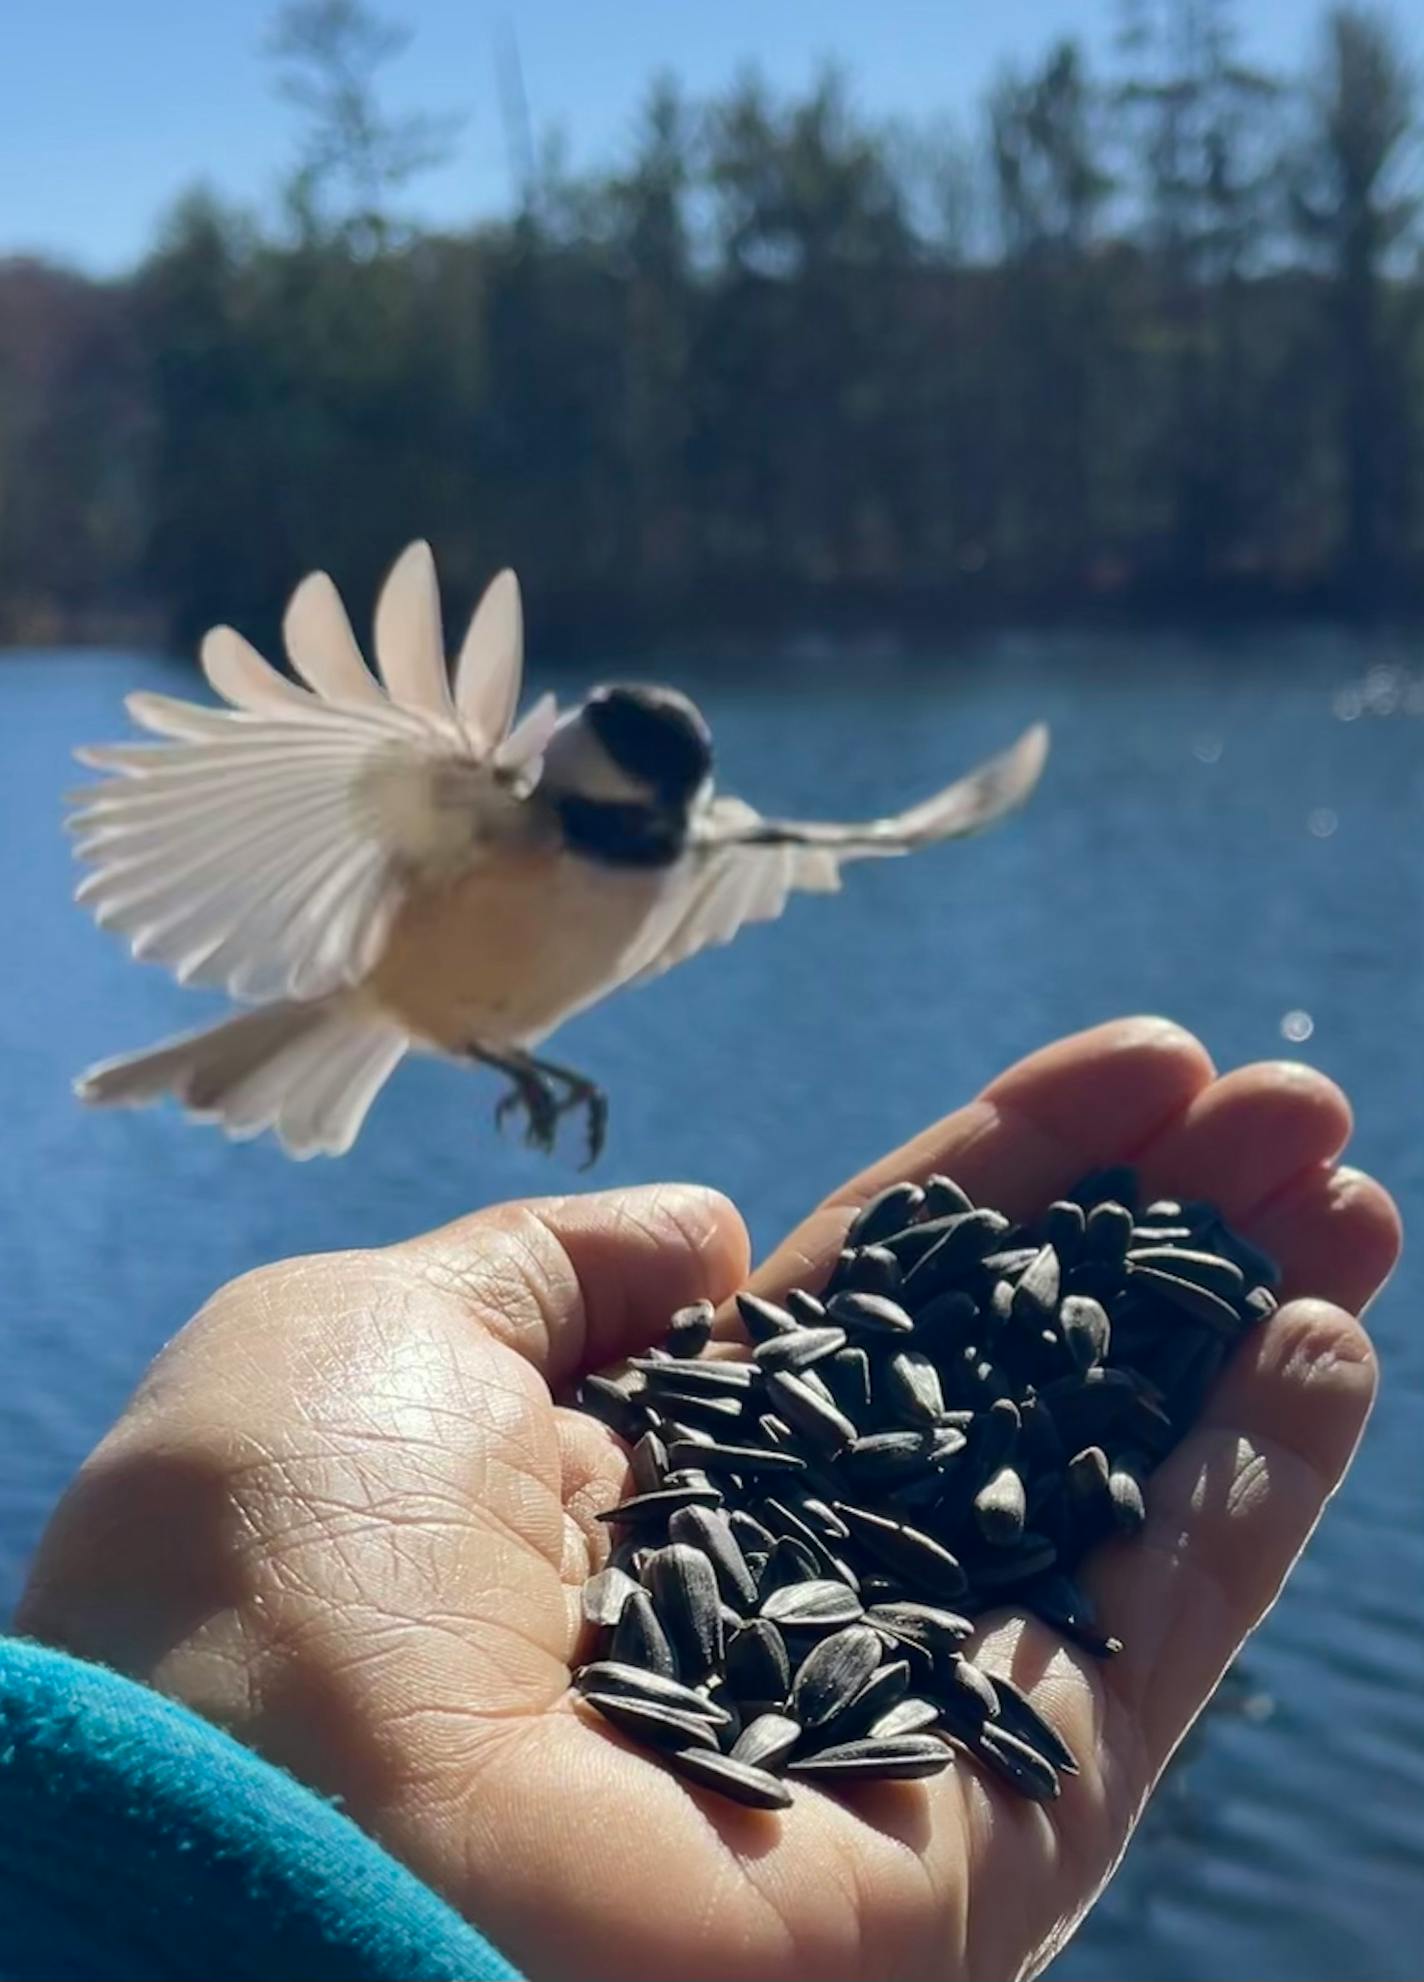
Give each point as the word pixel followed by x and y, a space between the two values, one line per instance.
pixel 309 1071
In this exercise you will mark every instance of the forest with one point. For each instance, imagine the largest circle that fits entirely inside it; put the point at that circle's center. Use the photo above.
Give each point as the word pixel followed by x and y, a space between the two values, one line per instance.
pixel 1141 335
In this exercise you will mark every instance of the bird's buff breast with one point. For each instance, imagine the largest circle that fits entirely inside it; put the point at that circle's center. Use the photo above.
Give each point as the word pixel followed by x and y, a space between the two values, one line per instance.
pixel 505 952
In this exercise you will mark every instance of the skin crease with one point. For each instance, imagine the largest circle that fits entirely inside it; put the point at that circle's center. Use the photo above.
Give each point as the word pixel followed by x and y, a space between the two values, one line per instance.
pixel 343 1517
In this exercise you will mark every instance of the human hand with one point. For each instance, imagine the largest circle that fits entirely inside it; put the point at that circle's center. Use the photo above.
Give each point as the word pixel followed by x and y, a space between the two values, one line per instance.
pixel 344 1517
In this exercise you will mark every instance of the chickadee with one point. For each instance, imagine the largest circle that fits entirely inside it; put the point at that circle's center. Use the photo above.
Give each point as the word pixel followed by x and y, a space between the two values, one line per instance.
pixel 380 868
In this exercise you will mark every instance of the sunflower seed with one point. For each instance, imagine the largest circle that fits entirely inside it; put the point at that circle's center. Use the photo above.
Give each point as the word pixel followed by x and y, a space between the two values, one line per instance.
pixel 702 1528
pixel 704 1409
pixel 789 1522
pixel 762 1319
pixel 1107 1234
pixel 921 1624
pixel 605 1594
pixel 1086 1329
pixel 910 1385
pixel 649 1463
pixel 885 1687
pixel 749 1531
pixel 814 1511
pixel 721 1377
pixel 748 1461
pixel 659 1505
pixel 609 1676
pixel 690 1329
pixel 1011 1263
pixel 866 1270
pixel 869 1314
pixel 1018 1715
pixel 946 1442
pixel 946 1316
pixel 964 1242
pixel 799 1351
pixel 1199 1302
pixel 612 1405
pixel 909 1716
pixel 788 1561
pixel 822 1605
pixel 823 1423
pixel 674 1431
pixel 884 1213
pixel 658 1726
pixel 917 1557
pixel 900 1758
pixel 1016 1762
pixel 994 1435
pixel 683 1587
pixel 1063 1225
pixel 1208 1270
pixel 767 1741
pixel 740 1782
pixel 885 1456
pixel 833 1673
pixel 805 1308
pixel 944 1198
pixel 1088 1482
pixel 1125 1491
pixel 758 1666
pixel 1162 1211
pixel 910 1245
pixel 1260 1304
pixel 847 1377
pixel 1000 1508
pixel 639 1639
pixel 972 1691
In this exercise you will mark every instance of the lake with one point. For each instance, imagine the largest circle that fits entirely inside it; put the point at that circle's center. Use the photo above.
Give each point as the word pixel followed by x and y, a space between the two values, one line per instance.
pixel 1231 831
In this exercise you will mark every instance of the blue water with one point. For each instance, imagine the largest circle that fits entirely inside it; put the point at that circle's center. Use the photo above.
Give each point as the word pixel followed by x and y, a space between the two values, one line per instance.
pixel 1230 831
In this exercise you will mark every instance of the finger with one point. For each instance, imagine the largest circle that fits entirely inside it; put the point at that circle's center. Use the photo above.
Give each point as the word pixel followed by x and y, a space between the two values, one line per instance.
pixel 1228 1513
pixel 1336 1233
pixel 572 1283
pixel 1248 1136
pixel 1260 1144
pixel 1095 1098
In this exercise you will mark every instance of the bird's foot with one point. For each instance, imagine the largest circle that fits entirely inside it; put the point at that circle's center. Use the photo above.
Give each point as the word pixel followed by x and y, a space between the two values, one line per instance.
pixel 544 1093
pixel 580 1092
pixel 533 1095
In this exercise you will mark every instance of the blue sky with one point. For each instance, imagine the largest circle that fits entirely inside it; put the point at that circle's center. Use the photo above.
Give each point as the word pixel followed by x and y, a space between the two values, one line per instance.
pixel 108 108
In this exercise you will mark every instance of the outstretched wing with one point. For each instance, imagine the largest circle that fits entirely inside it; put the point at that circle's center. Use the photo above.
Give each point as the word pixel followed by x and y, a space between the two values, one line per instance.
pixel 746 866
pixel 266 846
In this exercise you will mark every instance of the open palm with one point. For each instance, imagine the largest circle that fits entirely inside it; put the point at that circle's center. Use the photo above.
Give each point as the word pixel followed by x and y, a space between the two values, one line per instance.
pixel 345 1518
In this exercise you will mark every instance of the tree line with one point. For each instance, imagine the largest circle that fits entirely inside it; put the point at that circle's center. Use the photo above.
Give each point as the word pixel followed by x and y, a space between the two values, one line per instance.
pixel 1149 336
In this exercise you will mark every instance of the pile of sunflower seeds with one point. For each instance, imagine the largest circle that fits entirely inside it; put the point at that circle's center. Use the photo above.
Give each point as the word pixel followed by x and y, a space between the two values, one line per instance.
pixel 965 1409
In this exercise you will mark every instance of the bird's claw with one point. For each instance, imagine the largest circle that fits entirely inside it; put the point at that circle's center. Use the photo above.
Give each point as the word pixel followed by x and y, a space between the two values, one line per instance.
pixel 534 1091
pixel 594 1102
pixel 536 1100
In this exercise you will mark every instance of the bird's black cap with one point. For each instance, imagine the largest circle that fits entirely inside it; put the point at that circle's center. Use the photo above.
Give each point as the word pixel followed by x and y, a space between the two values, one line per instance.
pixel 654 734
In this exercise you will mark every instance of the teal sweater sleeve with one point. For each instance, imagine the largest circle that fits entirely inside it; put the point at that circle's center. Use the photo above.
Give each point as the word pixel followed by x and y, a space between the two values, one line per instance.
pixel 139 1843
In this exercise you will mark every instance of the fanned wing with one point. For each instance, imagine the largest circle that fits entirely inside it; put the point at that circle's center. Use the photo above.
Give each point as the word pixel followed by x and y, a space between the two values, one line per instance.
pixel 266 847
pixel 743 867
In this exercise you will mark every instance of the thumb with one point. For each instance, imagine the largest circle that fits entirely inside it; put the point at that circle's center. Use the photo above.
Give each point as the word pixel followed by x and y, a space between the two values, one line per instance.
pixel 573 1283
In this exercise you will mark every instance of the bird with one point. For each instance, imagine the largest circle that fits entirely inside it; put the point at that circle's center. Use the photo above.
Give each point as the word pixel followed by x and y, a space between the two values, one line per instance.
pixel 375 863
